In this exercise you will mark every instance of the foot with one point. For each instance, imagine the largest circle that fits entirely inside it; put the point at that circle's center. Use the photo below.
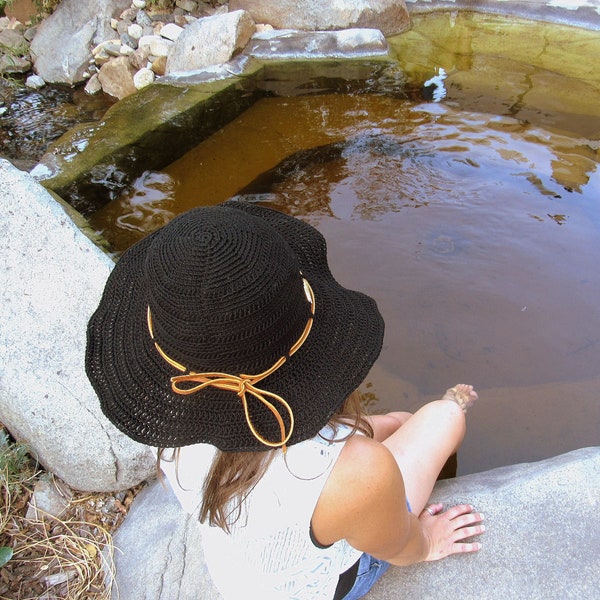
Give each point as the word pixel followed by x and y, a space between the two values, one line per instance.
pixel 464 395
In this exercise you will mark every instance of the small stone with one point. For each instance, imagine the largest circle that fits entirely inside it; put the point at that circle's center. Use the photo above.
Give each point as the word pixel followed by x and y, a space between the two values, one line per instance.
pixel 143 19
pixel 123 26
pixel 159 66
pixel 126 50
pixel 128 14
pixel 171 31
pixel 155 44
pixel 34 82
pixel 138 58
pixel 180 20
pixel 113 48
pixel 139 3
pixel 13 41
pixel 114 23
pixel 187 5
pixel 48 499
pixel 3 110
pixel 11 65
pixel 103 46
pixel 143 78
pixel 116 77
pixel 127 40
pixel 102 57
pixel 29 33
pixel 135 31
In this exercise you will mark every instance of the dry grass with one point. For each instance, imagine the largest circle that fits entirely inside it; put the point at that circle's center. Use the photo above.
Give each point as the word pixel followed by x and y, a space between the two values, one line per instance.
pixel 54 558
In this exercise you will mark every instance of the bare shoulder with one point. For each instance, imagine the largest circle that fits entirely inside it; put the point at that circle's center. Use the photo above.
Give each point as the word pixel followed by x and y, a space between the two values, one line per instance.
pixel 365 475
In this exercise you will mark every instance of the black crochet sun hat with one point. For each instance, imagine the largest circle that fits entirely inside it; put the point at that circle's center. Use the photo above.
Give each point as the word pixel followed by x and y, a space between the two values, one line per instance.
pixel 205 333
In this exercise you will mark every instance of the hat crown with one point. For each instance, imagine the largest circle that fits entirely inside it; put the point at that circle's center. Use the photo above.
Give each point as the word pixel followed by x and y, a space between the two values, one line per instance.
pixel 225 291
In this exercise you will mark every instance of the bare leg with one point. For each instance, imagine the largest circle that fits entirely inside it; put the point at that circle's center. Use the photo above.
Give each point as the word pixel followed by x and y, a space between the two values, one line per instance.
pixel 386 425
pixel 422 445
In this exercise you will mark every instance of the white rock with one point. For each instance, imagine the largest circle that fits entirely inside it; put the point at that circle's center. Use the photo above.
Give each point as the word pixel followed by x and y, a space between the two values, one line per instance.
pixel 93 86
pixel 143 78
pixel 35 82
pixel 126 50
pixel 139 3
pixel 101 48
pixel 171 31
pixel 155 45
pixel 135 31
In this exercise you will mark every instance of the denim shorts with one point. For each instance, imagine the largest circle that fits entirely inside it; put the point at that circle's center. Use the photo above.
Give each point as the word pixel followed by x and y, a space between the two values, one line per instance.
pixel 370 569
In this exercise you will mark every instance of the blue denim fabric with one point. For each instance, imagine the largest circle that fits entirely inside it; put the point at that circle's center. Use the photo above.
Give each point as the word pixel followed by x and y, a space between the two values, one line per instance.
pixel 370 569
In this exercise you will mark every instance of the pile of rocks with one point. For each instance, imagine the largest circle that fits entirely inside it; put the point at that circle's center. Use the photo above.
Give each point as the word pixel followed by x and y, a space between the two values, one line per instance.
pixel 144 36
pixel 15 38
pixel 120 46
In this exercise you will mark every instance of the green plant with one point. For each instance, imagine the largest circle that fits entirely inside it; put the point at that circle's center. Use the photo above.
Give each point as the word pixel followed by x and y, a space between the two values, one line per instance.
pixel 6 554
pixel 46 6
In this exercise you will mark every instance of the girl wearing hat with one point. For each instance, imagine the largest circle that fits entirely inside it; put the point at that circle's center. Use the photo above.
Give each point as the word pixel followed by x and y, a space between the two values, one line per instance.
pixel 225 337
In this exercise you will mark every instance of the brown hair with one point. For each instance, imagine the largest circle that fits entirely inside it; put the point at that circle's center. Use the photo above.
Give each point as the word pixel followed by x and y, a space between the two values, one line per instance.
pixel 233 474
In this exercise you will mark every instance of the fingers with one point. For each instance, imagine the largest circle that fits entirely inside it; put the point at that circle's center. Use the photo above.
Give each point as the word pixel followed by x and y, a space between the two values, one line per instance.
pixel 464 548
pixel 448 529
pixel 433 509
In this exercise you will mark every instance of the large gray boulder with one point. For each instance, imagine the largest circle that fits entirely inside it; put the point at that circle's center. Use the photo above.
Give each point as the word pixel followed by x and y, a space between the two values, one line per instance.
pixel 541 541
pixel 210 41
pixel 62 47
pixel 51 279
pixel 389 16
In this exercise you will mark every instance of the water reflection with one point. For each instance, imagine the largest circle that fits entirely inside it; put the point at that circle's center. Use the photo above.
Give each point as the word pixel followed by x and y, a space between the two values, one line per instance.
pixel 473 221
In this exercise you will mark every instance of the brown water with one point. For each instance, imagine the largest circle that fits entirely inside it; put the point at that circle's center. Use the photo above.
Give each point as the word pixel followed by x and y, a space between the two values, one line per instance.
pixel 474 222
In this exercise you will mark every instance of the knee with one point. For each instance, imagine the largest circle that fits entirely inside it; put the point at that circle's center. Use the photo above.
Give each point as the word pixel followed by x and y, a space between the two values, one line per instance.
pixel 399 417
pixel 446 415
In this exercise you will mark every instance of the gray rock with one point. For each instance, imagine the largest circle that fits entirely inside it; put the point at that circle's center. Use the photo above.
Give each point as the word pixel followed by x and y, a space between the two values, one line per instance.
pixel 210 41
pixel 278 44
pixel 61 48
pixel 13 42
pixel 390 16
pixel 34 82
pixel 541 540
pixel 51 278
pixel 13 64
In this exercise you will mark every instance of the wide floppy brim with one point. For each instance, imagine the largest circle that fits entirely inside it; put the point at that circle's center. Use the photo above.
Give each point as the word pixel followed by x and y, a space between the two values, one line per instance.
pixel 133 383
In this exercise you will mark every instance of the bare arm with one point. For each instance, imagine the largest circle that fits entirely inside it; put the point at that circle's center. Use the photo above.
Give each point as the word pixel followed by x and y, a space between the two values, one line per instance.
pixel 365 503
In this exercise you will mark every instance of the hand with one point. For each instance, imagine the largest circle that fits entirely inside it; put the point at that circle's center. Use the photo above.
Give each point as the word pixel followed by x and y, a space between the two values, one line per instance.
pixel 447 529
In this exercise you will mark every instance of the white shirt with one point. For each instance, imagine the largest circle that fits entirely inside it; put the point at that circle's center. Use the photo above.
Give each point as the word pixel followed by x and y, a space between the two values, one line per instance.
pixel 269 553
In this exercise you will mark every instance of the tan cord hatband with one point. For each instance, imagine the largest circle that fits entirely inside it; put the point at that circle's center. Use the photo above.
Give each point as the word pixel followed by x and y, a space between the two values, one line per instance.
pixel 242 384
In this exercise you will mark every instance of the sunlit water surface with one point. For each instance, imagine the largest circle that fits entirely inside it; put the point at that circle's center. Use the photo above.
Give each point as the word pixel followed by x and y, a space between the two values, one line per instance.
pixel 473 220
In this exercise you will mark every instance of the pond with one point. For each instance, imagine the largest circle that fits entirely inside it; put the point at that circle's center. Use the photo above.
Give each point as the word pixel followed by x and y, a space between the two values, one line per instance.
pixel 466 203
